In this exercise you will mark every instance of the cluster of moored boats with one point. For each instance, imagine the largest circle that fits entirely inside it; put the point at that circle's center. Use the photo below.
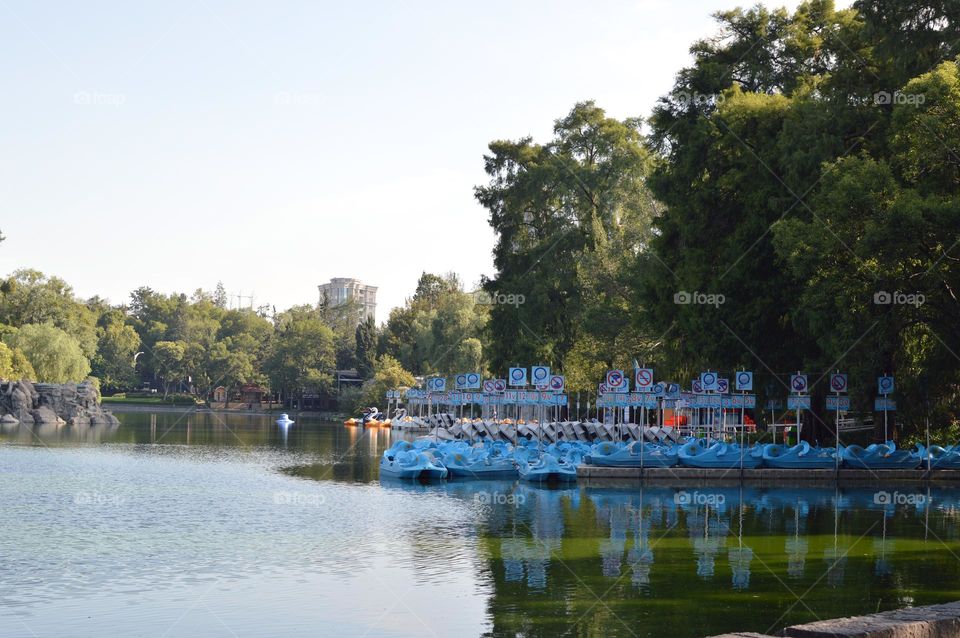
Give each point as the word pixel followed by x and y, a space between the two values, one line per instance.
pixel 534 460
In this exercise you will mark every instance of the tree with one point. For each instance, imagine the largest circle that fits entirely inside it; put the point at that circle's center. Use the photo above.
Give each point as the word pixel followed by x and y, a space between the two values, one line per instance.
pixel 117 345
pixel 169 358
pixel 302 353
pixel 366 348
pixel 388 374
pixel 14 364
pixel 55 356
pixel 561 210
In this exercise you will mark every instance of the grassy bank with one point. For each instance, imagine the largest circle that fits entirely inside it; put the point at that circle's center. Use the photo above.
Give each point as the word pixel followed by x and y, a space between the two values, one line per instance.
pixel 149 400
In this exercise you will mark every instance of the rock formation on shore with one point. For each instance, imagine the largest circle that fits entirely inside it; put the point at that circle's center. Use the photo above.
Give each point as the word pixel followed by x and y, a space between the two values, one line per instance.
pixel 73 403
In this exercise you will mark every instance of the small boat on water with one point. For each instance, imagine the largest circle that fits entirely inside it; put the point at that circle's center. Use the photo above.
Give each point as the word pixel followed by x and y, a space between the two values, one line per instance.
pixel 940 458
pixel 703 454
pixel 285 420
pixel 879 456
pixel 371 419
pixel 544 467
pixel 404 461
pixel 798 457
pixel 633 454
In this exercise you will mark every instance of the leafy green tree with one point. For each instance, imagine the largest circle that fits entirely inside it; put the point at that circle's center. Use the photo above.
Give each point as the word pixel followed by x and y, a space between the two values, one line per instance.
pixel 366 348
pixel 567 215
pixel 170 360
pixel 388 374
pixel 117 346
pixel 302 354
pixel 56 357
pixel 14 364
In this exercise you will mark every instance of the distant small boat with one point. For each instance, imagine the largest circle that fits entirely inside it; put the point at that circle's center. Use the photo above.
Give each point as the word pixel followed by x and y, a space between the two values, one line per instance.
pixel 285 420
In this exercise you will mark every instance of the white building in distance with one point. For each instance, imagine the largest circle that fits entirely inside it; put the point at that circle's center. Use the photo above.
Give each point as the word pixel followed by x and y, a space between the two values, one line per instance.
pixel 339 290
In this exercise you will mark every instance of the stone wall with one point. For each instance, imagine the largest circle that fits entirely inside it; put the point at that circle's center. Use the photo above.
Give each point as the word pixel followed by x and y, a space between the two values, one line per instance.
pixel 73 403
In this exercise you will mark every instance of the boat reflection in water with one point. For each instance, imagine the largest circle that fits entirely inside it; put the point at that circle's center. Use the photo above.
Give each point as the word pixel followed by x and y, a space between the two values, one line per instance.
pixel 673 544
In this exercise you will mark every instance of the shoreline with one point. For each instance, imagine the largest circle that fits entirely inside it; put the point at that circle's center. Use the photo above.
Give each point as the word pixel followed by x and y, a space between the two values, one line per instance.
pixel 201 409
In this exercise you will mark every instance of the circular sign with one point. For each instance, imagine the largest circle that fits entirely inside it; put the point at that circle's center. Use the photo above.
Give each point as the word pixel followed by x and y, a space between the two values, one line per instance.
pixel 489 386
pixel 886 384
pixel 540 374
pixel 556 382
pixel 499 385
pixel 743 378
pixel 461 380
pixel 722 385
pixel 517 374
pixel 614 378
pixel 697 386
pixel 838 382
pixel 798 382
pixel 709 378
pixel 644 377
pixel 473 378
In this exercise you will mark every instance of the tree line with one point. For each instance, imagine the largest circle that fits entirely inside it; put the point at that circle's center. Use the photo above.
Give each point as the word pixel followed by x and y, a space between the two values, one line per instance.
pixel 792 203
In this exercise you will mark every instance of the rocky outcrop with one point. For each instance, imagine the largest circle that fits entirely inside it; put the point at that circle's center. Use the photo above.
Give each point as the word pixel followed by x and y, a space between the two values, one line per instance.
pixel 73 403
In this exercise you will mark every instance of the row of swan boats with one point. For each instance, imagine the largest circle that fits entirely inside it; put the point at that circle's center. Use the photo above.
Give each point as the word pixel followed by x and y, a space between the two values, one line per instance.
pixel 531 460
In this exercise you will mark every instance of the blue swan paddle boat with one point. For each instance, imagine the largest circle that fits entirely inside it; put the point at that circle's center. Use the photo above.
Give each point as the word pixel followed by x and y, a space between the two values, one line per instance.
pixel 545 468
pixel 879 456
pixel 719 455
pixel 402 461
pixel 940 458
pixel 798 457
pixel 609 454
pixel 479 463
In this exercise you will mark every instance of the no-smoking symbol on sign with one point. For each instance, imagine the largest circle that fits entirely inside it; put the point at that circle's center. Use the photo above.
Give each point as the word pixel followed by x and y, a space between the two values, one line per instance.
pixel 644 377
pixel 838 382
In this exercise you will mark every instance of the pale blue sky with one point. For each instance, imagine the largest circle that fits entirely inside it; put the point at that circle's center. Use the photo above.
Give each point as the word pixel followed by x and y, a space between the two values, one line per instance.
pixel 273 145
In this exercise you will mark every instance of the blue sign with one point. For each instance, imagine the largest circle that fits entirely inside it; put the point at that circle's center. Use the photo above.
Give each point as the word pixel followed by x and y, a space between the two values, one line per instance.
pixel 838 403
pixel 744 381
pixel 473 381
pixel 460 382
pixel 885 385
pixel 708 380
pixel 540 374
pixel 798 402
pixel 517 376
pixel 723 385
pixel 798 383
pixel 883 404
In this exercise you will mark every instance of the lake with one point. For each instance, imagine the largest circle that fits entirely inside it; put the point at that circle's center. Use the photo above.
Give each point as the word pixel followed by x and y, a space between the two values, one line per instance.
pixel 219 525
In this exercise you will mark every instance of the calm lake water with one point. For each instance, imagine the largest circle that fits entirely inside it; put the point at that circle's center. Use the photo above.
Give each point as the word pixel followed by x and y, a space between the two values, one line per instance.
pixel 209 525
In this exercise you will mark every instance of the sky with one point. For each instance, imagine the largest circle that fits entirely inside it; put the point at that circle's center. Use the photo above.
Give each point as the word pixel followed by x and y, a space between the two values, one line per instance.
pixel 274 145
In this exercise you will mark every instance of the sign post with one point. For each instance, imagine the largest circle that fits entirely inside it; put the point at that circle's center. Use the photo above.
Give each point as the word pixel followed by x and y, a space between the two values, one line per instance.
pixel 798 384
pixel 885 387
pixel 838 383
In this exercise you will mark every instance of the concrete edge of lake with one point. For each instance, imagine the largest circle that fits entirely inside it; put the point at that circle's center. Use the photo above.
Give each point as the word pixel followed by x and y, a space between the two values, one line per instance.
pixel 761 476
pixel 932 621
